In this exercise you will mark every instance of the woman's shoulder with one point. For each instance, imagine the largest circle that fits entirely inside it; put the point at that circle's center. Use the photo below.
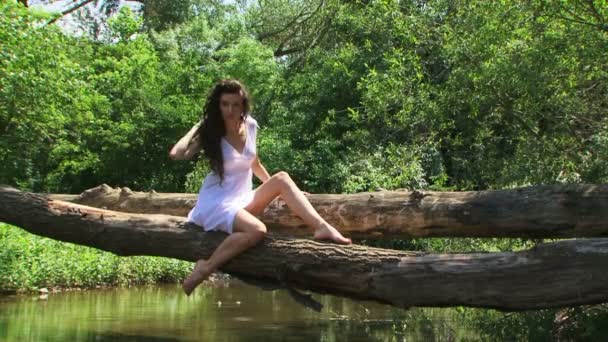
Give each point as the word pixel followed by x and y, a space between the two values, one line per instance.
pixel 253 122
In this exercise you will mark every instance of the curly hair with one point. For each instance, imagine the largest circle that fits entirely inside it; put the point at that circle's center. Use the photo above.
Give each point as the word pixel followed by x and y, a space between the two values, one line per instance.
pixel 212 128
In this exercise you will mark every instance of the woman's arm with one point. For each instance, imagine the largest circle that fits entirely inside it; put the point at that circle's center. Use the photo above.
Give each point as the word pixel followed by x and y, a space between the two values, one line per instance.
pixel 186 147
pixel 259 170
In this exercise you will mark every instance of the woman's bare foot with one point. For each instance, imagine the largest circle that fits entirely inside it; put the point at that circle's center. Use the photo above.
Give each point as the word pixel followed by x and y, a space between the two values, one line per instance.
pixel 327 232
pixel 199 273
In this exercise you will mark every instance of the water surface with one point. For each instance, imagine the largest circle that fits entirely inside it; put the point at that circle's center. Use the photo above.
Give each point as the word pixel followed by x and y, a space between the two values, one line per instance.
pixel 232 312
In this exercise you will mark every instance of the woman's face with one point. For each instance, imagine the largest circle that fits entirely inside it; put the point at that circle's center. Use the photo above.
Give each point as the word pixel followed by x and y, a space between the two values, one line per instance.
pixel 231 106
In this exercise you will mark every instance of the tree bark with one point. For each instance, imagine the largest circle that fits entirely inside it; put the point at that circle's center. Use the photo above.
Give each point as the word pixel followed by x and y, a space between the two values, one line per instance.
pixel 564 273
pixel 560 211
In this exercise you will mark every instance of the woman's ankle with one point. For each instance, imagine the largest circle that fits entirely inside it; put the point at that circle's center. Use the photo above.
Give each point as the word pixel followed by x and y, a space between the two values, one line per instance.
pixel 322 225
pixel 202 266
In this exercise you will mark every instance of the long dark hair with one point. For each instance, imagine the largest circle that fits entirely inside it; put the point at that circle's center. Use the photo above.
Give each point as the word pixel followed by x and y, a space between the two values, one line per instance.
pixel 213 129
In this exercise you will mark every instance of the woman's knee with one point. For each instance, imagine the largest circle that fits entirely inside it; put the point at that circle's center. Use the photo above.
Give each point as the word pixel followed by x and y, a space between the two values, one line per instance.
pixel 283 178
pixel 260 228
pixel 257 234
pixel 245 222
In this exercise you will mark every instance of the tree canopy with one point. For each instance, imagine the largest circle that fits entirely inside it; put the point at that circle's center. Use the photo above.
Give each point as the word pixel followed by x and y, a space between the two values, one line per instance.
pixel 351 96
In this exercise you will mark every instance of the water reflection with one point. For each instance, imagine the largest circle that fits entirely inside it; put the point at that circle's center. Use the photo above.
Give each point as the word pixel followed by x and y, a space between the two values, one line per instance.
pixel 239 312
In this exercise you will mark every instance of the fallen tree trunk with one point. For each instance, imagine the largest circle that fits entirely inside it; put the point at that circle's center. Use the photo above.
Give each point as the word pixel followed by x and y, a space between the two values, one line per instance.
pixel 535 212
pixel 551 275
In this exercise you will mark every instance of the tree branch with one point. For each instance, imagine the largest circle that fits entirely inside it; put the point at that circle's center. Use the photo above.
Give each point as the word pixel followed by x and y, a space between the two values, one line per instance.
pixel 69 10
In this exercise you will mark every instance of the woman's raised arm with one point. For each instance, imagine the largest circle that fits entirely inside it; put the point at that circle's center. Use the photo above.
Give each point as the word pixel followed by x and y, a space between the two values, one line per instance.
pixel 187 147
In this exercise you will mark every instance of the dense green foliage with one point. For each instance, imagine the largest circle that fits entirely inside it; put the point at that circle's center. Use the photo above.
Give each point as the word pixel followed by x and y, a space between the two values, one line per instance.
pixel 31 262
pixel 392 94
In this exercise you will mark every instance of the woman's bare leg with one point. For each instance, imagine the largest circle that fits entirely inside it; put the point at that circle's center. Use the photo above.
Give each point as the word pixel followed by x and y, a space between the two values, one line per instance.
pixel 282 184
pixel 247 232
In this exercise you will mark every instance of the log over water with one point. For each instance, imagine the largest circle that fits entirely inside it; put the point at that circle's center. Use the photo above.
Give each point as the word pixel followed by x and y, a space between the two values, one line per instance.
pixel 564 273
pixel 559 211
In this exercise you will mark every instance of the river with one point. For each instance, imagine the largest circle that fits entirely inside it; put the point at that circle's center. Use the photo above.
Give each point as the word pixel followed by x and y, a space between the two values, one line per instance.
pixel 235 311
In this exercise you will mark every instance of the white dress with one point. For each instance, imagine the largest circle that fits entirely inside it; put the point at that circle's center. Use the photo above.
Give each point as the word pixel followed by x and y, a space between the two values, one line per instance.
pixel 217 205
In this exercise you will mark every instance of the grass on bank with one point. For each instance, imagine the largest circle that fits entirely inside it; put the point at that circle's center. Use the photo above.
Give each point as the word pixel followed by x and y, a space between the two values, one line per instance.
pixel 29 262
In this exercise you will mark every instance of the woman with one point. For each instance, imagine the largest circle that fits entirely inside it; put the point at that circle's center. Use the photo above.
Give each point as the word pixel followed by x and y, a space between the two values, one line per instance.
pixel 227 138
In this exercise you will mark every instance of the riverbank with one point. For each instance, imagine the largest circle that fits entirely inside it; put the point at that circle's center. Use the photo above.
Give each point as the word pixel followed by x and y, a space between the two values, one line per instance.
pixel 29 263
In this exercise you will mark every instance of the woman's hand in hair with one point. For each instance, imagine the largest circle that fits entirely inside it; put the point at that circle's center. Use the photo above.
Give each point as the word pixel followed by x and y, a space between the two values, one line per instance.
pixel 188 146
